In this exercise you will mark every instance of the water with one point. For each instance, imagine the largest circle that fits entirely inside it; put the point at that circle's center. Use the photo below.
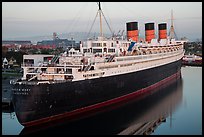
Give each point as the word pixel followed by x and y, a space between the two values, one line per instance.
pixel 180 104
pixel 187 119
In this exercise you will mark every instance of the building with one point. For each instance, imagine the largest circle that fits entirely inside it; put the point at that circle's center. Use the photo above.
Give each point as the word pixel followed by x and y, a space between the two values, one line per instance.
pixel 64 43
pixel 16 42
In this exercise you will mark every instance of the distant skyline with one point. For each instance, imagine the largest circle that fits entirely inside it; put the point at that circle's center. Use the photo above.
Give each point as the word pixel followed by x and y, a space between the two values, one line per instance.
pixel 28 19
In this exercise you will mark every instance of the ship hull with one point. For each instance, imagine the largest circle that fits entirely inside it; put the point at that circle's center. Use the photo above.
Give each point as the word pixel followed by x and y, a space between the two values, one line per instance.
pixel 40 104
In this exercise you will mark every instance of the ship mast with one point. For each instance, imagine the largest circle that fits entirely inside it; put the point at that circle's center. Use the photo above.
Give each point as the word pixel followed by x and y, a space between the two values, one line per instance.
pixel 172 33
pixel 99 10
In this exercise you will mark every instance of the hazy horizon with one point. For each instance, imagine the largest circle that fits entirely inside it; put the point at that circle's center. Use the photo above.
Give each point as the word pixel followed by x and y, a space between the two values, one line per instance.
pixel 31 19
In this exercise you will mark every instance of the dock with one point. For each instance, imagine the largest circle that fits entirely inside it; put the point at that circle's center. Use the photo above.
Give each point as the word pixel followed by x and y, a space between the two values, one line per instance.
pixel 143 128
pixel 192 60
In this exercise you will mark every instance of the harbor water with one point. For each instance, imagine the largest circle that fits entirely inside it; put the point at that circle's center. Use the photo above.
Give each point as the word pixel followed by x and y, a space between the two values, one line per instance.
pixel 174 109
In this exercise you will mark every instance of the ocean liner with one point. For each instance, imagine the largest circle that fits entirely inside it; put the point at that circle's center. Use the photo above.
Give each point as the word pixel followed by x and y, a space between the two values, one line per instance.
pixel 104 72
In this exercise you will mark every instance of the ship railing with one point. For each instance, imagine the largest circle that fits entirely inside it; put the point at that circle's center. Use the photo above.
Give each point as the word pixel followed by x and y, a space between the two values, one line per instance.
pixel 27 65
pixel 110 59
pixel 33 78
pixel 27 82
pixel 87 67
pixel 59 81
pixel 32 65
pixel 43 82
pixel 162 54
pixel 149 56
pixel 37 82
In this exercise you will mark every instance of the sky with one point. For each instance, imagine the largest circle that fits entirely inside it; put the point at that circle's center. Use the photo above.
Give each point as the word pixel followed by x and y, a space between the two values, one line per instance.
pixel 27 19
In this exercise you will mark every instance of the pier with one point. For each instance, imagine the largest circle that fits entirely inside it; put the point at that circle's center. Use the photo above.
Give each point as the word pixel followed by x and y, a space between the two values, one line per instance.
pixel 143 128
pixel 192 60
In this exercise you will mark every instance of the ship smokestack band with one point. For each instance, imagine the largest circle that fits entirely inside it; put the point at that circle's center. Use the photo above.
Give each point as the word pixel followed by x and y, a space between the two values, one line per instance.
pixel 132 31
pixel 162 31
pixel 149 32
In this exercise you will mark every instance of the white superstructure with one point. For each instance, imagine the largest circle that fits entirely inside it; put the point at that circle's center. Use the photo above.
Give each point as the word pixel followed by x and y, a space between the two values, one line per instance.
pixel 89 64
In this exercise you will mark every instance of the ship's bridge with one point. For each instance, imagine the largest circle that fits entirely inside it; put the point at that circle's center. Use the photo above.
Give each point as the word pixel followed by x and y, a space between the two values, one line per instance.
pixel 104 46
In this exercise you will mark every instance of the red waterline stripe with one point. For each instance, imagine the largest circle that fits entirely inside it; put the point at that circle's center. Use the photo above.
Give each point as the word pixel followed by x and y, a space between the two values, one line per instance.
pixel 102 104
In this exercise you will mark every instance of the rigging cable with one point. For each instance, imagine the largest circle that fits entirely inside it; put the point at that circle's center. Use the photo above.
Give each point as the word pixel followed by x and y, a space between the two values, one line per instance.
pixel 75 19
pixel 92 25
pixel 107 24
pixel 95 20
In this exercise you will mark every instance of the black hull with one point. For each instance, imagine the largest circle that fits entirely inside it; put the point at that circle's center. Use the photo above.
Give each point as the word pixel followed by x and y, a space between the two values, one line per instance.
pixel 44 103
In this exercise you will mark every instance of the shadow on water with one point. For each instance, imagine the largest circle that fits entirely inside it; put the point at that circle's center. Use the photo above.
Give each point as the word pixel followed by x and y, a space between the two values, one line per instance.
pixel 140 116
